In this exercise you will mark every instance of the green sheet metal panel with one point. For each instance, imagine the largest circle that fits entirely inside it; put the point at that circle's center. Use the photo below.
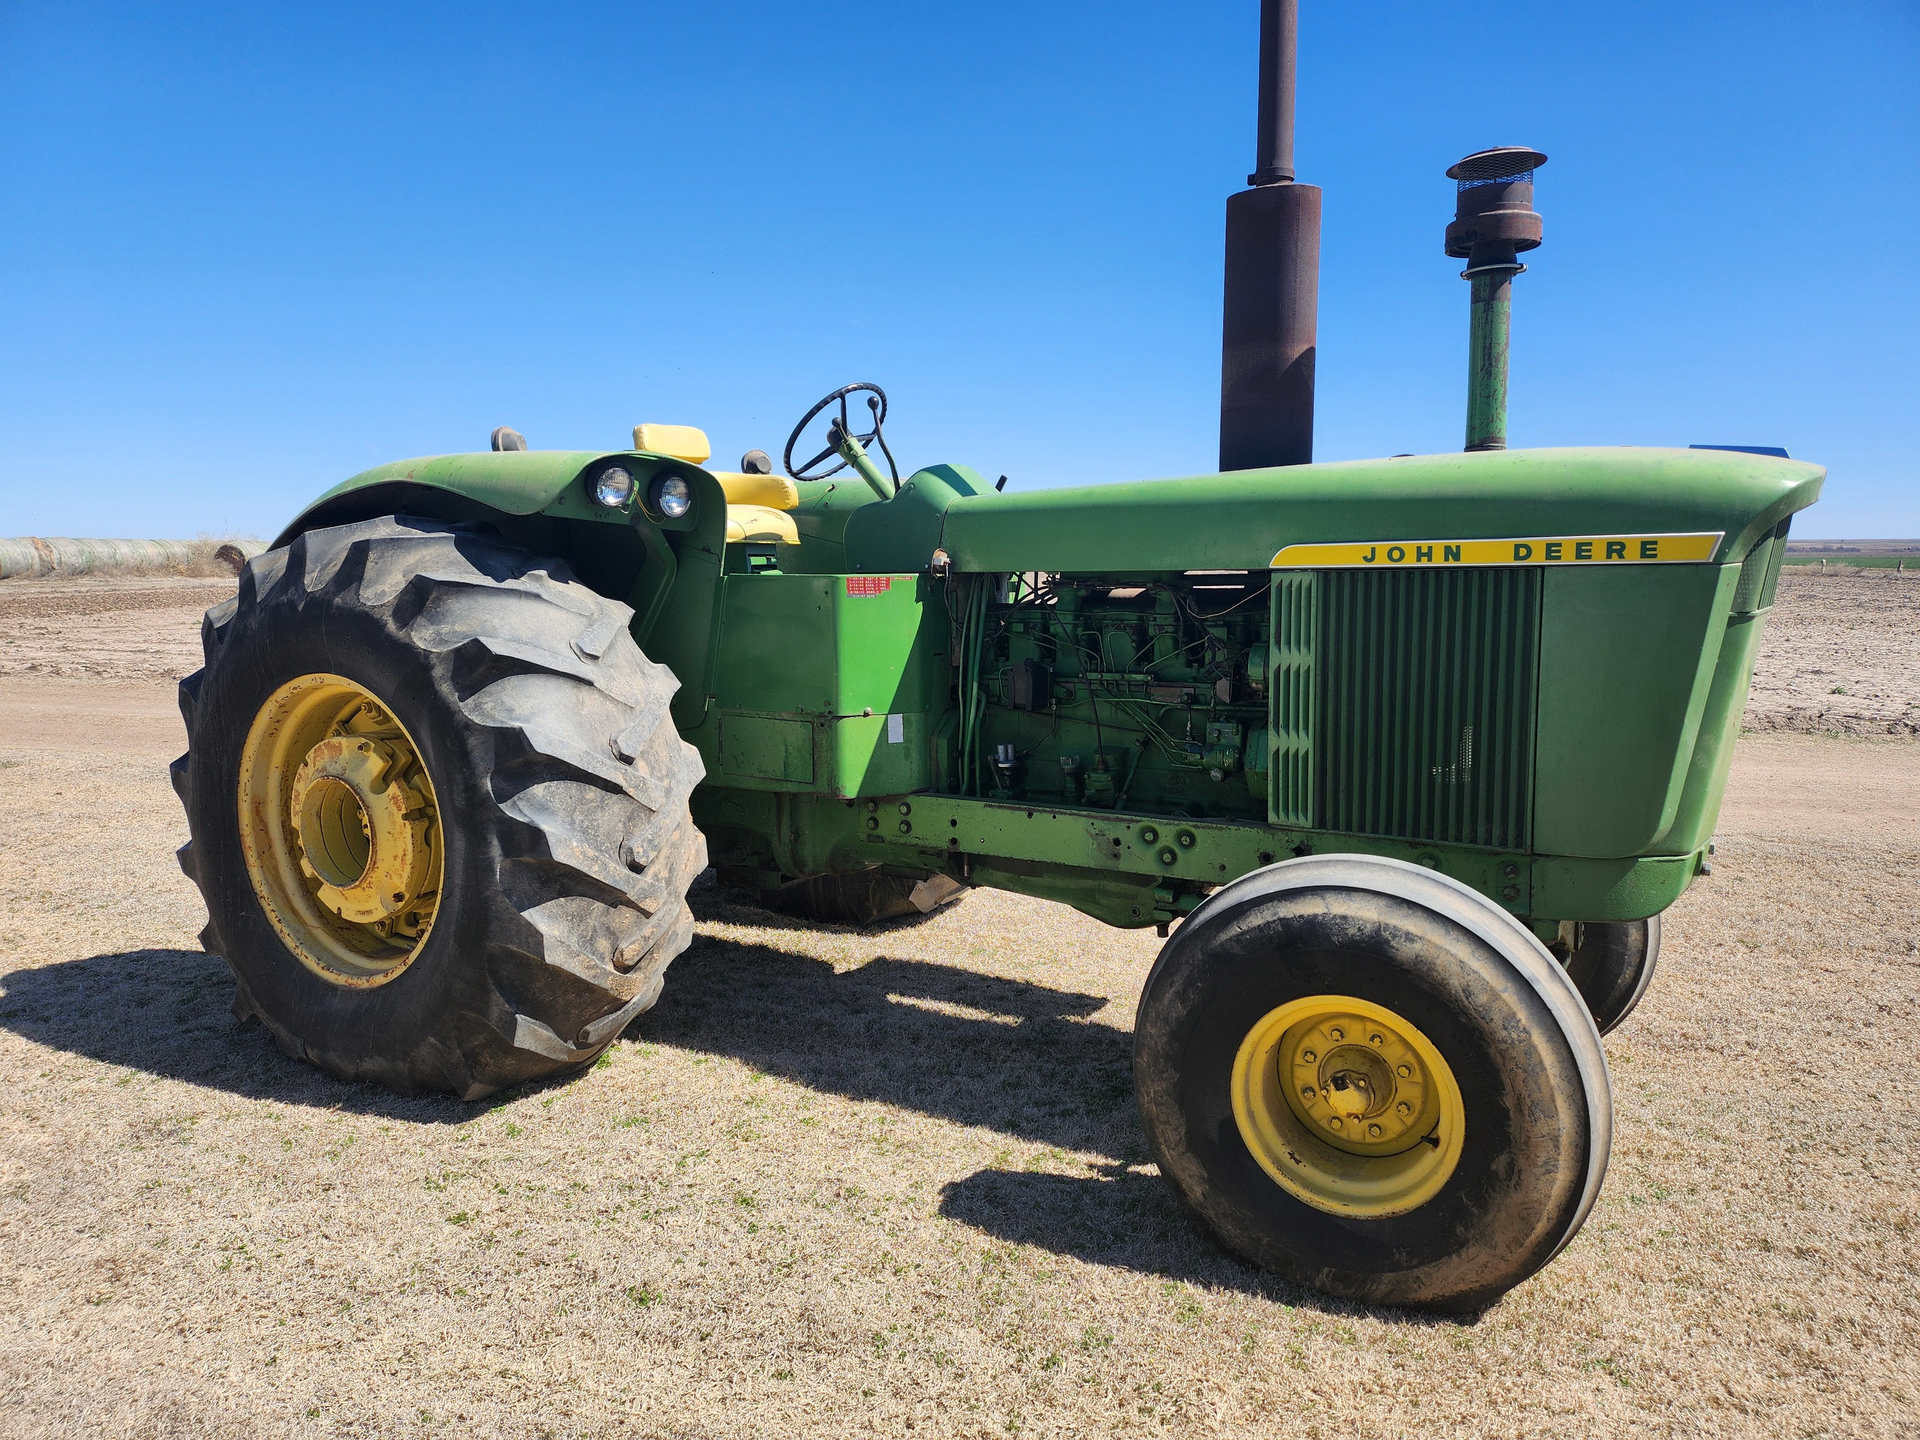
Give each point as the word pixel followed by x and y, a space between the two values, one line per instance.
pixel 826 683
pixel 880 754
pixel 1706 782
pixel 1627 660
pixel 1243 519
pixel 826 644
pixel 765 747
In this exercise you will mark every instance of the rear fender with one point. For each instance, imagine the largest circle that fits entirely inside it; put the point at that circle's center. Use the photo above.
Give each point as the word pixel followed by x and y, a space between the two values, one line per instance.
pixel 667 570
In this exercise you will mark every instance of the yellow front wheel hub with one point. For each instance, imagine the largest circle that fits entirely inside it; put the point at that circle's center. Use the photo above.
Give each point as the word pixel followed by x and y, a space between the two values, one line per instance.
pixel 1348 1106
pixel 340 829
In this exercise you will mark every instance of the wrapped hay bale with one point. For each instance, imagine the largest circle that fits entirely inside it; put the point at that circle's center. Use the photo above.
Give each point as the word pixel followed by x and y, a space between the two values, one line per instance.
pixel 34 556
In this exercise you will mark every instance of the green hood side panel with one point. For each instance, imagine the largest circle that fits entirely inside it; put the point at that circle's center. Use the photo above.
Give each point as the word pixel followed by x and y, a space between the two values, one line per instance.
pixel 902 534
pixel 1240 520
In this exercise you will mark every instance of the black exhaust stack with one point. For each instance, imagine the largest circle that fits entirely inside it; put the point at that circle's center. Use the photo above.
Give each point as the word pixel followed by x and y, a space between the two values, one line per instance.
pixel 1273 279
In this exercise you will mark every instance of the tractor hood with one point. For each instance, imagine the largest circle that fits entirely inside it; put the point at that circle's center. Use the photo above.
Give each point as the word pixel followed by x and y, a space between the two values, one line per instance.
pixel 1244 520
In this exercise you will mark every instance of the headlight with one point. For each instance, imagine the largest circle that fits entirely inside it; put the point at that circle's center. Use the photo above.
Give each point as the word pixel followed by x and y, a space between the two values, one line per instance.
pixel 613 487
pixel 672 496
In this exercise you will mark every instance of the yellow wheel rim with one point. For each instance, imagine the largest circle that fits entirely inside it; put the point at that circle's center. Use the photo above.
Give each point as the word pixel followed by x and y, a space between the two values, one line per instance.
pixel 340 830
pixel 1348 1106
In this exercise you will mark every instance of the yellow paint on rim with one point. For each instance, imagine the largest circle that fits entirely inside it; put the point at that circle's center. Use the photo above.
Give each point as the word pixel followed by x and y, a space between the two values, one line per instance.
pixel 340 830
pixel 1348 1106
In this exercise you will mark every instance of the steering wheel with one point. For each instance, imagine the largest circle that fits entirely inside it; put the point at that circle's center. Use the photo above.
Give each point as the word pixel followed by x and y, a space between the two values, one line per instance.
pixel 837 426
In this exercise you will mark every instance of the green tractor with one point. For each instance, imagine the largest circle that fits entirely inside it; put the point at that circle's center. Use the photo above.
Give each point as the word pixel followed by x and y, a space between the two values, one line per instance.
pixel 1405 757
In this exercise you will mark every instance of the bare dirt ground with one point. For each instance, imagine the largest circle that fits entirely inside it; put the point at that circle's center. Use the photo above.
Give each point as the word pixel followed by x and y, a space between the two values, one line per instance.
pixel 842 1183
pixel 105 628
pixel 1841 654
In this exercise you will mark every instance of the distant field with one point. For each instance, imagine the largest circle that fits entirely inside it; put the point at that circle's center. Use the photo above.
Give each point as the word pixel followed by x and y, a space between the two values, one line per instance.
pixel 1864 554
pixel 1856 561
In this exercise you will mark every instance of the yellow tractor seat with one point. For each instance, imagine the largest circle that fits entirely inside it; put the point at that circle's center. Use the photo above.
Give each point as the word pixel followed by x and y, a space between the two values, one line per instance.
pixel 761 523
pixel 682 442
pixel 756 504
pixel 775 492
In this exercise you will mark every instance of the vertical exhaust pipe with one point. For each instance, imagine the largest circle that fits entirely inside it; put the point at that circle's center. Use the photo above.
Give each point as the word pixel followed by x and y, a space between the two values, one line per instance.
pixel 1271 306
pixel 1493 222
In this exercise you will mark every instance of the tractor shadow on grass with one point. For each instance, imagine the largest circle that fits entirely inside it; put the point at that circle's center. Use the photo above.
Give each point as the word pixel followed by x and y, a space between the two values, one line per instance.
pixel 1022 1059
pixel 1129 1219
pixel 1025 1060
pixel 1002 1054
pixel 1121 1218
pixel 165 1012
pixel 1006 1055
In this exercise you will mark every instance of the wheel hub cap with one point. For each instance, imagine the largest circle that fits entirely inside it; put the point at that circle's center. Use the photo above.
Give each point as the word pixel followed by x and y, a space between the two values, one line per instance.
pixel 340 829
pixel 361 830
pixel 1348 1106
pixel 1370 1095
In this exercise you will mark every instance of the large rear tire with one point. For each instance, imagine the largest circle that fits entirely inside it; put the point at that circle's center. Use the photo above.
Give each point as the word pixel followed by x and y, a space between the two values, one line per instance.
pixel 439 813
pixel 1369 1079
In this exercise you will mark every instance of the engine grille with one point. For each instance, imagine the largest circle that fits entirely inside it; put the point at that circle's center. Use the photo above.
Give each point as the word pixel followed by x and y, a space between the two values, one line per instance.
pixel 1423 687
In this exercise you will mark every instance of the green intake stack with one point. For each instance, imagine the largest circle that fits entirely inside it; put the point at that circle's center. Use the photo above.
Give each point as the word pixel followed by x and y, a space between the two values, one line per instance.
pixel 1494 220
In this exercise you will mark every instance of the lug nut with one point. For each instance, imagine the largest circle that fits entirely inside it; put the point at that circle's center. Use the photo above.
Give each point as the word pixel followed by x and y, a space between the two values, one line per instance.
pixel 1308 1056
pixel 1376 1039
pixel 1403 1109
pixel 1307 1093
pixel 1405 1072
pixel 1373 1131
pixel 1337 1033
pixel 1333 1122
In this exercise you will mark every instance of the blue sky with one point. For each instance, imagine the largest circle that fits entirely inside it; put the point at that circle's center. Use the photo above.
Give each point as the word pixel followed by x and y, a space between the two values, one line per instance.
pixel 248 250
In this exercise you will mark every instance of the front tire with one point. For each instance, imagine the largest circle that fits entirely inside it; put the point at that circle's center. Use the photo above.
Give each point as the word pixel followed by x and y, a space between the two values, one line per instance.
pixel 1613 966
pixel 427 707
pixel 1370 1080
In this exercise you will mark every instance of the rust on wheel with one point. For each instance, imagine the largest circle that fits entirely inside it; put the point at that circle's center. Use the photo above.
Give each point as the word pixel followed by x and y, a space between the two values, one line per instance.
pixel 340 830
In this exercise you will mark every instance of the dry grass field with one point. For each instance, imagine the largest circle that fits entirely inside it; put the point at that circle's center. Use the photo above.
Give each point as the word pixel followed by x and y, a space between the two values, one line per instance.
pixel 842 1183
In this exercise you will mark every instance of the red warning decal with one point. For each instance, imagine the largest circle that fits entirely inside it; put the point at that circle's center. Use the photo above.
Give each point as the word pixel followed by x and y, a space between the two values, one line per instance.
pixel 869 584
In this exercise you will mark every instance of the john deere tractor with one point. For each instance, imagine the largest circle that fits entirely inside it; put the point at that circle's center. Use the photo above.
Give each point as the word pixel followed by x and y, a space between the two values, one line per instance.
pixel 1405 757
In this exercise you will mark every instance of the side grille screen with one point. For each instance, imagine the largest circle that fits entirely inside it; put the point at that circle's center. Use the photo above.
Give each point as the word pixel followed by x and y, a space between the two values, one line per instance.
pixel 1425 682
pixel 1291 712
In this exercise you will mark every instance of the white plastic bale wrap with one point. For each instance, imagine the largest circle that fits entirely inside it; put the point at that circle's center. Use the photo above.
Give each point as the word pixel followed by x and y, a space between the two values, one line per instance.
pixel 234 554
pixel 34 555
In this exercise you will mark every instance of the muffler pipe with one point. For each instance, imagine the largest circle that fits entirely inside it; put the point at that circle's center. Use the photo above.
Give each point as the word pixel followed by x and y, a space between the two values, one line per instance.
pixel 1271 304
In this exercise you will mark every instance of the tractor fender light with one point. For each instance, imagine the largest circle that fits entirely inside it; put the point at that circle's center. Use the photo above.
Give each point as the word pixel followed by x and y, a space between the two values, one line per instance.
pixel 672 496
pixel 613 487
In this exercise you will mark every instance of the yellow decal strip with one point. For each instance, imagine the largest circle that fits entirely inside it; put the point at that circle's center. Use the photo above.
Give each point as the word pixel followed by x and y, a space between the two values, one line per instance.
pixel 1533 550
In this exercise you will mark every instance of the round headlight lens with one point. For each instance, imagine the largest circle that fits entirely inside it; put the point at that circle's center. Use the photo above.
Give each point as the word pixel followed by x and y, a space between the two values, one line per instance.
pixel 672 496
pixel 613 487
